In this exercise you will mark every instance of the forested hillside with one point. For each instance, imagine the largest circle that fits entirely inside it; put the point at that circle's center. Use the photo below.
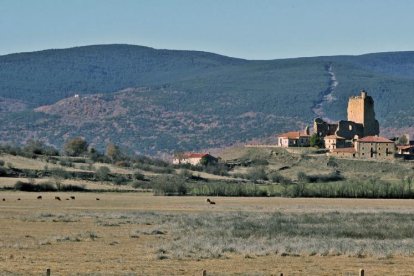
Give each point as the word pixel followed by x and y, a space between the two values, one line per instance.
pixel 155 101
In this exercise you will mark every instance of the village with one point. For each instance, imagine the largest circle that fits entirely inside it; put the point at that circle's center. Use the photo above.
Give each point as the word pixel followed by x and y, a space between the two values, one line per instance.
pixel 358 137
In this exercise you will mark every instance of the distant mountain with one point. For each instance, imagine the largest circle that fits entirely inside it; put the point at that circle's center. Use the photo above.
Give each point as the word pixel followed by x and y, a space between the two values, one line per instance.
pixel 155 101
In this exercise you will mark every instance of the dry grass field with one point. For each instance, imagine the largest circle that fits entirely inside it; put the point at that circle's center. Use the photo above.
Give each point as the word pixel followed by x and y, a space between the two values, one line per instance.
pixel 140 234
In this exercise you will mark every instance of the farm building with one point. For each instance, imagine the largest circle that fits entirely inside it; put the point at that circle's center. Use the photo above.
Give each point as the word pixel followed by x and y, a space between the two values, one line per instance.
pixel 293 139
pixel 194 158
pixel 405 149
pixel 334 141
pixel 375 147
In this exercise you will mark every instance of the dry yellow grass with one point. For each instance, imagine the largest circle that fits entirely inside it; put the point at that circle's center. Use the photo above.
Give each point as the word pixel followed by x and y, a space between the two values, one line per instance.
pixel 72 236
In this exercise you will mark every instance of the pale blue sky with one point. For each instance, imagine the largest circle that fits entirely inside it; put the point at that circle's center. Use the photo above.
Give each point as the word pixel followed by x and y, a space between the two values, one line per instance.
pixel 240 28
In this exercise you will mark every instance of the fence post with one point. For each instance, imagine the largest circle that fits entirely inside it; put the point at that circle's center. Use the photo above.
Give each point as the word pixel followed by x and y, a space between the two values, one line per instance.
pixel 48 272
pixel 361 272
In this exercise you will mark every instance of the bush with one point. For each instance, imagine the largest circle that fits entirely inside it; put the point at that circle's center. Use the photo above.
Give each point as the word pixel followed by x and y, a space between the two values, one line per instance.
pixel 124 164
pixel 2 163
pixel 41 187
pixel 278 178
pixel 3 171
pixel 141 184
pixel 66 163
pixel 138 176
pixel 102 174
pixel 257 173
pixel 120 180
pixel 169 185
pixel 59 173
pixel 73 188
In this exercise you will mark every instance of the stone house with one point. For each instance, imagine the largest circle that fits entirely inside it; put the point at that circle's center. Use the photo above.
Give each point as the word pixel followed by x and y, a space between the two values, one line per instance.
pixel 334 141
pixel 293 139
pixel 375 147
pixel 193 158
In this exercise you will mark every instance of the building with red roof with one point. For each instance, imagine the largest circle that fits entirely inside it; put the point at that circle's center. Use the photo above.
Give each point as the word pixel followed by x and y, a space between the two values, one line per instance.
pixel 334 142
pixel 293 139
pixel 375 147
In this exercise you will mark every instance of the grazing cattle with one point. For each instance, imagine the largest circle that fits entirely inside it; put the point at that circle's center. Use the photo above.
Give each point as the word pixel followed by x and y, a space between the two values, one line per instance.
pixel 4 199
pixel 57 198
pixel 72 197
pixel 209 201
pixel 97 198
pixel 18 199
pixel 67 199
pixel 39 197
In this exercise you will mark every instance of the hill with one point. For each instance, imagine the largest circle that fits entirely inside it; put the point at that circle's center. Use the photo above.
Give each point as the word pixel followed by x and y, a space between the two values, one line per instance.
pixel 155 101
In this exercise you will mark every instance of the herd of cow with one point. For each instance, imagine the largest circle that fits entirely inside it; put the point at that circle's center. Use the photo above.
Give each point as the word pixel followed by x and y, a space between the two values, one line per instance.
pixel 56 198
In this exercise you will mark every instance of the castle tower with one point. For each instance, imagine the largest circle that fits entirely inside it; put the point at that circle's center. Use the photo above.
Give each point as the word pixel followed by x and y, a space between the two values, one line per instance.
pixel 361 111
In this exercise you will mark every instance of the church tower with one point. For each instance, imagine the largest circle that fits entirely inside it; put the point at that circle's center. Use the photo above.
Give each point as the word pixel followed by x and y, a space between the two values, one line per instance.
pixel 361 111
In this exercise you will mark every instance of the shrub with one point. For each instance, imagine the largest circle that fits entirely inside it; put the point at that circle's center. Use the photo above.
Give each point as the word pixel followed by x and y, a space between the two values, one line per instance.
pixel 124 164
pixel 59 173
pixel 102 173
pixel 73 188
pixel 66 163
pixel 41 187
pixel 138 176
pixel 257 173
pixel 169 185
pixel 75 147
pixel 3 171
pixel 141 184
pixel 120 180
pixel 278 178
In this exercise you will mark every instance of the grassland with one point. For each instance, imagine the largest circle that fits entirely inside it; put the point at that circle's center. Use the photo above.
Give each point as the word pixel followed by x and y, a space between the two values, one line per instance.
pixel 138 233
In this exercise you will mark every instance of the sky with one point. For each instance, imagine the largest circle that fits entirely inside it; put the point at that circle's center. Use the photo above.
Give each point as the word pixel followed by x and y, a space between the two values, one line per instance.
pixel 251 29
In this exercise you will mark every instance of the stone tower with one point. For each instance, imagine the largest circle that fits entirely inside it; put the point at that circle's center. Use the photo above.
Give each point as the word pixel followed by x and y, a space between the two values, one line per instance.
pixel 361 111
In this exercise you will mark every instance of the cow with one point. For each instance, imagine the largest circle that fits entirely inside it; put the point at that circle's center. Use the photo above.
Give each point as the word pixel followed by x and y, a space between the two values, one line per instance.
pixel 209 201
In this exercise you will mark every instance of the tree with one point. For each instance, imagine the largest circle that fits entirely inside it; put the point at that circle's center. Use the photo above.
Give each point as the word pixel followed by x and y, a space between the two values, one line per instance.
pixel 113 152
pixel 38 147
pixel 316 141
pixel 76 146
pixel 103 173
pixel 403 140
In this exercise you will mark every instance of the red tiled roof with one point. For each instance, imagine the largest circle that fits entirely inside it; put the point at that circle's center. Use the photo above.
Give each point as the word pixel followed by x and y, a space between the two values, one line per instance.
pixel 293 135
pixel 404 147
pixel 375 139
pixel 348 150
pixel 334 137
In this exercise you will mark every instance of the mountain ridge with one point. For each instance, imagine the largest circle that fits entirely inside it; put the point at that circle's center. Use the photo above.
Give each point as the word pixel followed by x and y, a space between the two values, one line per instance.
pixel 212 90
